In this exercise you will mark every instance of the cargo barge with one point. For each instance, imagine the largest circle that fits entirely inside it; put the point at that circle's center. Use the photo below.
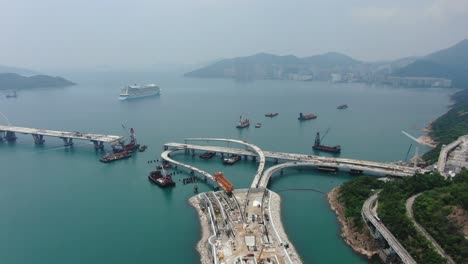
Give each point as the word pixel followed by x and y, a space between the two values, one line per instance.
pixel 271 114
pixel 243 122
pixel 161 178
pixel 306 117
pixel 111 157
pixel 341 107
pixel 232 159
pixel 319 147
pixel 208 155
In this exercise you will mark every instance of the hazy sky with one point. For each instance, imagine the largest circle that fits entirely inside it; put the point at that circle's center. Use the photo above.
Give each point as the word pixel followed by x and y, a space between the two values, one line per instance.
pixel 67 34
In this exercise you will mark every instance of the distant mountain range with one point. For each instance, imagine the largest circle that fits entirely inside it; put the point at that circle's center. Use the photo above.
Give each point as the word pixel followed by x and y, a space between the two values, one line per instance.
pixel 450 63
pixel 269 66
pixel 13 81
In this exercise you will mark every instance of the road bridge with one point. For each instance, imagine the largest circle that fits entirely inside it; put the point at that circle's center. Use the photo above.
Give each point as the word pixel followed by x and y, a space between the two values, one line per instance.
pixel 8 133
pixel 166 156
pixel 370 219
pixel 445 151
pixel 371 167
pixel 257 151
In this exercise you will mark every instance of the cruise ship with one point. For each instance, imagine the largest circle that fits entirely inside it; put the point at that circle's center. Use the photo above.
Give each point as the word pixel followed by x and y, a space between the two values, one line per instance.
pixel 137 91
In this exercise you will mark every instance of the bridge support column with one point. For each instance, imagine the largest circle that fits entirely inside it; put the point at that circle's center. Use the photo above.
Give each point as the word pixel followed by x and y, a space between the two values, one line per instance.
pixel 98 144
pixel 2 135
pixel 281 172
pixel 254 158
pixel 193 152
pixel 166 148
pixel 222 155
pixel 245 157
pixel 67 142
pixel 276 161
pixel 38 139
pixel 10 136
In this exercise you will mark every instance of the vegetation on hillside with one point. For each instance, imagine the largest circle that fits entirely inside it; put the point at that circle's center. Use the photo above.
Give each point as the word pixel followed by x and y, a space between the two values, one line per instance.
pixel 432 209
pixel 353 194
pixel 450 126
pixel 392 211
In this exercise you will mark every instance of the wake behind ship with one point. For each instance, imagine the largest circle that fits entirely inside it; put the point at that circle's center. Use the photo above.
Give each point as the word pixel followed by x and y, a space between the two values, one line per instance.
pixel 138 91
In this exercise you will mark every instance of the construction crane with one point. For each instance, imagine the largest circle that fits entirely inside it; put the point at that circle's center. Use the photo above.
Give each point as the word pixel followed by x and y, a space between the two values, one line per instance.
pixel 259 259
pixel 416 153
pixel 407 153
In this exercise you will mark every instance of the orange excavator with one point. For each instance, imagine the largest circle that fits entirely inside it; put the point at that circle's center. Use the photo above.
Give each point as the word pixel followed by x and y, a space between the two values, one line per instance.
pixel 223 182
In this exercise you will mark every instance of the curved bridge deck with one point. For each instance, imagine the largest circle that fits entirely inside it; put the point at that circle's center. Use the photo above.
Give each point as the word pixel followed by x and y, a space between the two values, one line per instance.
pixel 380 168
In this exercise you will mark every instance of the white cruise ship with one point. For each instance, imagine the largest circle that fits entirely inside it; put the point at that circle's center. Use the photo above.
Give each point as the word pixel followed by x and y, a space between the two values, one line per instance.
pixel 137 91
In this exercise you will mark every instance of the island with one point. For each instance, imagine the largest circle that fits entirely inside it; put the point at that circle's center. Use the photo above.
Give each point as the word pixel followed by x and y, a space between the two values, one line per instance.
pixel 13 81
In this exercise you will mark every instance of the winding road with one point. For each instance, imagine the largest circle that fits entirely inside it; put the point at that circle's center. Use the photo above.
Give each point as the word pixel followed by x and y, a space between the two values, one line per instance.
pixel 409 210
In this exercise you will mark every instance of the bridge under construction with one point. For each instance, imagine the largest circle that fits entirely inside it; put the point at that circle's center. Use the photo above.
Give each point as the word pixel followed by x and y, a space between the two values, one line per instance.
pixel 8 133
pixel 244 227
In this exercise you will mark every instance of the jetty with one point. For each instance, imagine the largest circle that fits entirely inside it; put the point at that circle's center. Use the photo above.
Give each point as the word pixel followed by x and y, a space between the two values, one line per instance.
pixel 8 133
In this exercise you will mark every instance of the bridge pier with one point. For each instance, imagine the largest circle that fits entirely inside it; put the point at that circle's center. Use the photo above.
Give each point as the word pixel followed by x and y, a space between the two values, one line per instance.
pixel 2 135
pixel 10 136
pixel 245 157
pixel 276 161
pixel 254 158
pixel 38 139
pixel 98 144
pixel 193 153
pixel 165 148
pixel 67 142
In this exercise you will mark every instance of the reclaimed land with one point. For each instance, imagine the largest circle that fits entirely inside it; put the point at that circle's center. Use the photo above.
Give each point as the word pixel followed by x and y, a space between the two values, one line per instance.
pixel 202 245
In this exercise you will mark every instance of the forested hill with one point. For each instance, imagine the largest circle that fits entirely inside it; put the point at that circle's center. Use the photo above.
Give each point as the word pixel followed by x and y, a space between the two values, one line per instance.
pixel 450 126
pixel 450 63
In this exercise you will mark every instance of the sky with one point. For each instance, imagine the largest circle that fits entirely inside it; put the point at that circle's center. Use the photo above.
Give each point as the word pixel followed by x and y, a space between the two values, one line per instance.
pixel 93 34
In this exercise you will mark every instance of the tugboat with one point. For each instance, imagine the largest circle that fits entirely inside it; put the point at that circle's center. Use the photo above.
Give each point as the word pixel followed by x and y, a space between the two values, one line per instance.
pixel 243 122
pixel 341 107
pixel 208 155
pixel 258 125
pixel 142 148
pixel 111 157
pixel 317 145
pixel 306 117
pixel 271 114
pixel 232 159
pixel 161 178
pixel 130 147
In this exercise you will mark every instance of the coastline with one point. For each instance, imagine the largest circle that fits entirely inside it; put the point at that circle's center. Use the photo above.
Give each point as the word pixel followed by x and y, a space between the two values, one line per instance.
pixel 275 203
pixel 360 241
pixel 202 244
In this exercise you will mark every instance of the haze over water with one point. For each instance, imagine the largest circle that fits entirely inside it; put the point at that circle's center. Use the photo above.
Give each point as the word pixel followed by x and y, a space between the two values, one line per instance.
pixel 64 206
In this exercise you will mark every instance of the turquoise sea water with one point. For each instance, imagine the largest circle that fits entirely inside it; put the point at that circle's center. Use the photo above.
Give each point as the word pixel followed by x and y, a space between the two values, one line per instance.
pixel 63 206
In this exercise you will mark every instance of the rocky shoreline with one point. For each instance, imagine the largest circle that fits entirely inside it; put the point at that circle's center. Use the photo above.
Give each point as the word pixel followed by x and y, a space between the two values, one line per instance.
pixel 359 240
pixel 202 245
